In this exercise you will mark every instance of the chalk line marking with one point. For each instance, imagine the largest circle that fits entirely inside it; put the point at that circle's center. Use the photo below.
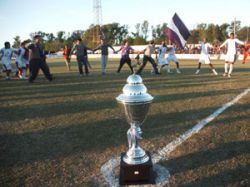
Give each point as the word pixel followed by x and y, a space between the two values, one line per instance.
pixel 108 168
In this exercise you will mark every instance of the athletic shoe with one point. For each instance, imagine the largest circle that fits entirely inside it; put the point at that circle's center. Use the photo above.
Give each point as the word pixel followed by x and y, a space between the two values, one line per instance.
pixel 81 75
pixel 7 78
pixel 215 72
pixel 178 71
pixel 229 75
pixel 224 74
pixel 197 72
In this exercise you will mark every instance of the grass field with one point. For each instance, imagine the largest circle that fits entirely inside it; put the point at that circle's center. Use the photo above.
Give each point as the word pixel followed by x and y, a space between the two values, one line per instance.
pixel 60 133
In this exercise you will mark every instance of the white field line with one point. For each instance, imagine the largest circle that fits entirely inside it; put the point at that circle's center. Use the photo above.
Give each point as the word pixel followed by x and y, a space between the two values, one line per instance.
pixel 165 151
pixel 107 169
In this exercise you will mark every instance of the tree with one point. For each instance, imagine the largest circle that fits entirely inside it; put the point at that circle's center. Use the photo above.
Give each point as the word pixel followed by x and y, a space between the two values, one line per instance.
pixel 144 29
pixel 139 41
pixel 40 33
pixel 210 33
pixel 224 30
pixel 137 30
pixel 158 32
pixel 218 35
pixel 242 34
pixel 234 26
pixel 202 30
pixel 195 36
pixel 17 42
pixel 60 36
pixel 49 37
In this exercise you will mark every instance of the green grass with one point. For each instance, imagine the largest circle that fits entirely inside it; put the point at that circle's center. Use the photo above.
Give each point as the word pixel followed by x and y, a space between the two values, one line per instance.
pixel 60 133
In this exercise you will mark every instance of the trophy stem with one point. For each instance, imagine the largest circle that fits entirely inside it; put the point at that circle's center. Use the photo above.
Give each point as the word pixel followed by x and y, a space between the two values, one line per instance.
pixel 135 154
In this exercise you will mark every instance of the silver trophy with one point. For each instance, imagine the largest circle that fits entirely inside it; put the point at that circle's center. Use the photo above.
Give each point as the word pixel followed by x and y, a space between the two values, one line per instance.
pixel 136 102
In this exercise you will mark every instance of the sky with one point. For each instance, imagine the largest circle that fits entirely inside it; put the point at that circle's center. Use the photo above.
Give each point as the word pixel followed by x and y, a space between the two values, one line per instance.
pixel 22 17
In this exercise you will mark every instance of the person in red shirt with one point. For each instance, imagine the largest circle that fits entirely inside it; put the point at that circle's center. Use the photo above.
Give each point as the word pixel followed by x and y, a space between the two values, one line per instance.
pixel 66 55
pixel 245 52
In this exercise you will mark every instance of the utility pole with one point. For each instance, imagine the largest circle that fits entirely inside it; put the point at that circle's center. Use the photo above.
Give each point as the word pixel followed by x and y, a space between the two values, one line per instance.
pixel 97 11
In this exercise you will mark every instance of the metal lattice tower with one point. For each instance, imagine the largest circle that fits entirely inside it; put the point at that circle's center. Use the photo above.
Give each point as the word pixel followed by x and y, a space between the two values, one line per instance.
pixel 97 9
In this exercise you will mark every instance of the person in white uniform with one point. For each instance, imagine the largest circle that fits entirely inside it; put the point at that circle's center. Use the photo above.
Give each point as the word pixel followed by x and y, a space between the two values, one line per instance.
pixel 6 54
pixel 171 56
pixel 204 56
pixel 162 61
pixel 21 61
pixel 231 53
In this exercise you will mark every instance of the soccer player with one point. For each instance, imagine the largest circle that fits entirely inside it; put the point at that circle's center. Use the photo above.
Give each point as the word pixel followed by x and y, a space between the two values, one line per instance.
pixel 172 57
pixel 245 52
pixel 148 51
pixel 104 50
pixel 204 56
pixel 37 60
pixel 231 53
pixel 6 54
pixel 125 51
pixel 162 61
pixel 81 56
pixel 66 56
pixel 21 61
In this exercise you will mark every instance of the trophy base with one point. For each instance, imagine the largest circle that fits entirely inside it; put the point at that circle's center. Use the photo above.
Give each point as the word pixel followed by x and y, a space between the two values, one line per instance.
pixel 136 174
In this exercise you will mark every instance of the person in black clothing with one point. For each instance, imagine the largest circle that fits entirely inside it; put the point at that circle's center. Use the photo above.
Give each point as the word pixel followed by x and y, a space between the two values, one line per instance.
pixel 37 60
pixel 81 56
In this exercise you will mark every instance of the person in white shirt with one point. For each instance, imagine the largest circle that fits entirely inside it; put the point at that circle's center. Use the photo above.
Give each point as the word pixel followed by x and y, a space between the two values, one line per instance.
pixel 204 56
pixel 171 56
pixel 162 61
pixel 231 53
pixel 148 51
pixel 22 61
pixel 6 54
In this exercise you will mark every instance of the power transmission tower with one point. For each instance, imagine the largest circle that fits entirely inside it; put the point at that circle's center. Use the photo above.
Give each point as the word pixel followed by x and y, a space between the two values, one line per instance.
pixel 97 9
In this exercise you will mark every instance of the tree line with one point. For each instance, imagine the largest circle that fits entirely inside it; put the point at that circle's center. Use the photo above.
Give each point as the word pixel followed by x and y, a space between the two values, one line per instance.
pixel 116 33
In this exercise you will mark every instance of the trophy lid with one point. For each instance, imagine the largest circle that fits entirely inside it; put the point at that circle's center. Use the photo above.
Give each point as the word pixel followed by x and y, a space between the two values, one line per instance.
pixel 134 91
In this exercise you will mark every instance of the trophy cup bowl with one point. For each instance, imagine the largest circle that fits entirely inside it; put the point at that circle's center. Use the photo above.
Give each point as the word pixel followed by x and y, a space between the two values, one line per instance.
pixel 136 101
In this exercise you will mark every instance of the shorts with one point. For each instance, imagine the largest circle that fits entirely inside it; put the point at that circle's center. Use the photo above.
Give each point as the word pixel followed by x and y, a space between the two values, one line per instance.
pixel 204 59
pixel 7 67
pixel 21 64
pixel 162 61
pixel 172 58
pixel 230 58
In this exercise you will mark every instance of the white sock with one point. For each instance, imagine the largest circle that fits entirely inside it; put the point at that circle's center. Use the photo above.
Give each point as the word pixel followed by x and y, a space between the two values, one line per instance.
pixel 24 72
pixel 226 67
pixel 230 69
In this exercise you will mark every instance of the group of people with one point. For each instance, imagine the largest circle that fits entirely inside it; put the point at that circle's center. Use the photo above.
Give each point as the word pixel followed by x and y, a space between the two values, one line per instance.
pixel 32 57
pixel 80 50
pixel 28 57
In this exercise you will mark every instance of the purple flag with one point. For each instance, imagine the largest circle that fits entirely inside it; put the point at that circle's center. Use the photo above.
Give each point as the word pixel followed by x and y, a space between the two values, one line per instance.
pixel 177 31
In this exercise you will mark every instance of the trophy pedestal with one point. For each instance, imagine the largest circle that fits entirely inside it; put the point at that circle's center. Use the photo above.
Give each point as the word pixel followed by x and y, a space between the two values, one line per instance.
pixel 136 174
